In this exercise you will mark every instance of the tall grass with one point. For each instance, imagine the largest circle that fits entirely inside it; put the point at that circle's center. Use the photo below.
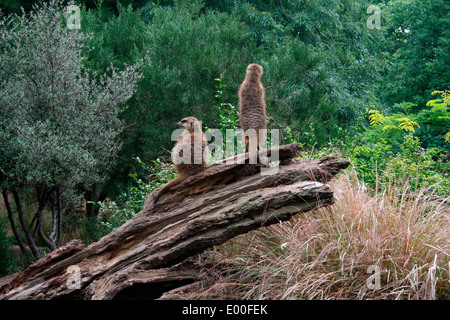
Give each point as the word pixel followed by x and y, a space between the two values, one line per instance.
pixel 391 245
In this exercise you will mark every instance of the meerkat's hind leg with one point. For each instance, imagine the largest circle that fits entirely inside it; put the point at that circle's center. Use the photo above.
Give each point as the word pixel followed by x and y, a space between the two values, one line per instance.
pixel 262 157
pixel 247 143
pixel 253 154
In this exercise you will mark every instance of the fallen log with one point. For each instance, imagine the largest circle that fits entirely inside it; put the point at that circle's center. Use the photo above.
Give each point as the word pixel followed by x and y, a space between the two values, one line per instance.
pixel 141 259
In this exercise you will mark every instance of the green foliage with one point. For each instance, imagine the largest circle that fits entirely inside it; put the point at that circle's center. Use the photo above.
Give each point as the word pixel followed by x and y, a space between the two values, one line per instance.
pixel 388 152
pixel 436 132
pixel 296 91
pixel 393 123
pixel 228 113
pixel 289 137
pixel 13 6
pixel 420 169
pixel 417 43
pixel 228 119
pixel 128 204
pixel 432 123
pixel 160 173
pixel 117 40
pixel 50 117
pixel 370 159
pixel 379 166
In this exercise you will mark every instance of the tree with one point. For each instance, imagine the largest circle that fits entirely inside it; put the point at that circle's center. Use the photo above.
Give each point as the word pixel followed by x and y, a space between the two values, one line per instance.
pixel 58 121
pixel 417 34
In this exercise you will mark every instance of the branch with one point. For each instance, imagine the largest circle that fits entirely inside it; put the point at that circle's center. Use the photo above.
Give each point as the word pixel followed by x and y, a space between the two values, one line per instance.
pixel 14 229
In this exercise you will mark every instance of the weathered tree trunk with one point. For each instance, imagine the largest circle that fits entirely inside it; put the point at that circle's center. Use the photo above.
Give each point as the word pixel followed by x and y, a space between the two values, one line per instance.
pixel 14 229
pixel 141 259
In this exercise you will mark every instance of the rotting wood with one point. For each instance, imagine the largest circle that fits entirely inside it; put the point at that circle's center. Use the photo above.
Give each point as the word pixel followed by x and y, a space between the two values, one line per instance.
pixel 142 257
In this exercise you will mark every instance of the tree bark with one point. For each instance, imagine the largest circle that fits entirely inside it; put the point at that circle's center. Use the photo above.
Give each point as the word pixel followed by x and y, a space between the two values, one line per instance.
pixel 26 230
pixel 22 247
pixel 58 206
pixel 141 259
pixel 92 195
pixel 43 195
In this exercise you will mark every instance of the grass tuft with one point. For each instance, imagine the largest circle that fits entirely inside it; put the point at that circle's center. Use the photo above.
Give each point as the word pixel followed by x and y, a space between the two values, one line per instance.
pixel 391 245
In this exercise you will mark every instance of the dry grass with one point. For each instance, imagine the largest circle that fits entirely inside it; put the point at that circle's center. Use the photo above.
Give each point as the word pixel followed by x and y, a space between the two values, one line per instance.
pixel 328 253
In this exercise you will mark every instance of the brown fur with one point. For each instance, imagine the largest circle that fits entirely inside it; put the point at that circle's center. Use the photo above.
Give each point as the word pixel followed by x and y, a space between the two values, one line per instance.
pixel 252 106
pixel 193 139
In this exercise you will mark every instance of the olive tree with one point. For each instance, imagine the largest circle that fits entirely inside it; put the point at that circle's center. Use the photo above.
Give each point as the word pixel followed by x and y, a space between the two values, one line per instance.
pixel 58 121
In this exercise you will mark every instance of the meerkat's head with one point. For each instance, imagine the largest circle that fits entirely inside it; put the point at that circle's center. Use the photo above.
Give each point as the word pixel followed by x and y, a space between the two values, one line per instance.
pixel 254 70
pixel 190 124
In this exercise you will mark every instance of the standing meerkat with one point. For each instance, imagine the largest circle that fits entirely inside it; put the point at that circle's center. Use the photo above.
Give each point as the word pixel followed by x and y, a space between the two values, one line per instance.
pixel 252 106
pixel 190 153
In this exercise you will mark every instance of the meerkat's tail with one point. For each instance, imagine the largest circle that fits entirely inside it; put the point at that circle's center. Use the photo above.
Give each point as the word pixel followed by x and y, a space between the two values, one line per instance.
pixel 167 187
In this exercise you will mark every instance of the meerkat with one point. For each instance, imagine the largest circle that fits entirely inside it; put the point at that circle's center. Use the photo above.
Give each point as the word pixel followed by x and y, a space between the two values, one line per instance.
pixel 252 107
pixel 192 141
